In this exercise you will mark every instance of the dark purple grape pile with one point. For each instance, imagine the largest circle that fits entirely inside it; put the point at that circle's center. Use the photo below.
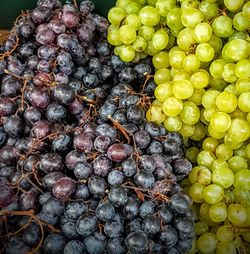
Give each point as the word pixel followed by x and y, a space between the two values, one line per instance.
pixel 81 170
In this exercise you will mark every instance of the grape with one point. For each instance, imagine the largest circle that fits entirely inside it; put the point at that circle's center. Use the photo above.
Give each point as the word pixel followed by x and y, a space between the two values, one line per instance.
pixel 213 193
pixel 174 19
pixel 207 243
pixel 226 247
pixel 160 39
pixel 222 31
pixel 237 214
pixel 205 52
pixel 190 17
pixel 242 180
pixel 149 16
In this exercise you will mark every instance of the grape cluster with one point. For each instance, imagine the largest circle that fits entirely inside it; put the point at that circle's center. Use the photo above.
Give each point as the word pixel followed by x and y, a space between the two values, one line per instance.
pixel 81 170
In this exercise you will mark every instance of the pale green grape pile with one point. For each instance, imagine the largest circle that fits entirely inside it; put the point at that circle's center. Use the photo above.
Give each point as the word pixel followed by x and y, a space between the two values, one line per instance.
pixel 201 54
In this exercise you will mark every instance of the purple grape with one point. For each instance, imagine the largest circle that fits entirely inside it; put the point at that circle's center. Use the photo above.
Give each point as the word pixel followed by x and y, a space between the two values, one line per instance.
pixel 45 37
pixel 64 188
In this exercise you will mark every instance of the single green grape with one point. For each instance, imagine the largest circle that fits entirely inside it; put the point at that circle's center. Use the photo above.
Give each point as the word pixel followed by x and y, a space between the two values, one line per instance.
pixel 225 233
pixel 210 144
pixel 246 10
pixel 172 106
pixel 241 151
pixel 207 243
pixel 150 49
pixel 223 26
pixel 205 158
pixel 123 3
pixel 213 193
pixel 238 114
pixel 199 132
pixel 195 192
pixel 204 176
pixel 237 214
pixel 162 75
pixel 218 212
pixel 192 153
pixel 173 123
pixel 191 63
pixel 217 84
pixel 205 52
pixel 240 22
pixel 201 228
pixel 220 121
pixel 133 8
pixel 209 9
pixel 189 4
pixel 193 175
pixel 236 163
pixel 190 113
pixel 179 74
pixel 190 17
pixel 223 176
pixel 164 6
pixel 216 43
pixel 127 53
pixel 149 16
pixel 200 79
pixel 209 98
pixel 242 85
pixel 182 89
pixel 226 102
pixel 234 6
pixel 163 91
pixel 160 39
pixel 146 32
pixel 231 142
pixel 116 15
pixel 185 39
pixel 155 114
pixel 140 44
pixel 114 36
pixel 238 35
pixel 215 134
pixel 226 248
pixel 176 59
pixel 228 73
pixel 217 67
pixel 174 19
pixel 196 98
pixel 242 179
pixel 244 102
pixel 127 34
pixel 217 164
pixel 239 129
pixel 242 69
pixel 224 152
pixel 202 32
pixel 161 60
pixel 133 20
pixel 187 130
pixel 208 113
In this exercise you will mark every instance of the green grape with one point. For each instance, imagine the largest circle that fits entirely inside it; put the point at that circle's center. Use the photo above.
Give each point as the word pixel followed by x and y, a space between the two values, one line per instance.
pixel 240 22
pixel 205 52
pixel 197 96
pixel 213 194
pixel 171 41
pixel 228 73
pixel 200 79
pixel 236 163
pixel 238 114
pixel 193 175
pixel 123 3
pixel 208 113
pixel 207 243
pixel 187 130
pixel 160 39
pixel 234 6
pixel 239 129
pixel 149 16
pixel 172 106
pixel 116 15
pixel 182 89
pixel 210 144
pixel 176 59
pixel 201 228
pixel 223 176
pixel 140 44
pixel 199 133
pixel 173 123
pixel 217 67
pixel 238 35
pixel 127 53
pixel 127 34
pixel 215 134
pixel 242 85
pixel 226 102
pixel 216 43
pixel 133 8
pixel 218 212
pixel 163 91
pixel 209 9
pixel 203 212
pixel 242 69
pixel 225 233
pixel 246 10
pixel 162 75
pixel 137 57
pixel 190 113
pixel 117 50
pixel 217 84
pixel 226 248
pixel 204 176
pixel 151 2
pixel 188 4
pixel 220 121
pixel 146 32
pixel 157 103
pixel 192 153
pixel 217 164
pixel 179 74
pixel 190 17
pixel 231 88
pixel 195 192
pixel 202 32
pixel 243 197
pixel 161 60
pixel 185 183
pixel 236 50
pixel 150 49
pixel 185 39
pixel 133 20
pixel 174 19
pixel 164 6
pixel 241 151
pixel 191 63
pixel 242 179
pixel 231 142
pixel 244 102
pixel 155 114
pixel 223 26
pixel 205 158
pixel 114 36
pixel 237 214
pixel 223 152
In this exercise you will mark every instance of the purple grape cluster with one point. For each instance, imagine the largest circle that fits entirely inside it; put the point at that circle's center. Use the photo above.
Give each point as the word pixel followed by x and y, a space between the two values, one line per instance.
pixel 81 170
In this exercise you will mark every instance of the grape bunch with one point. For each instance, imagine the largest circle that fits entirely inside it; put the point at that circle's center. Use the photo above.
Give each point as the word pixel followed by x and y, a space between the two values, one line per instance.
pixel 81 170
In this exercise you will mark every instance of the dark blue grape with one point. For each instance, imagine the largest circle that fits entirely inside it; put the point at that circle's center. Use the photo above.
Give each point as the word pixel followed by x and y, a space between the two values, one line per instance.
pixel 95 244
pixel 74 247
pixel 116 246
pixel 142 139
pixel 168 235
pixel 147 208
pixel 129 167
pixel 86 225
pixel 118 196
pixel 74 209
pixel 115 177
pixel 31 234
pixel 151 225
pixel 69 229
pixel 166 213
pixel 131 208
pixel 144 179
pixel 56 113
pixel 97 186
pixel 83 170
pixel 105 212
pixel 184 227
pixel 137 242
pixel 54 243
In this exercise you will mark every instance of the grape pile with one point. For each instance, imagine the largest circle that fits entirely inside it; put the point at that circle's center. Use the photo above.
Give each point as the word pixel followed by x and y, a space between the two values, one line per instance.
pixel 81 170
pixel 200 51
